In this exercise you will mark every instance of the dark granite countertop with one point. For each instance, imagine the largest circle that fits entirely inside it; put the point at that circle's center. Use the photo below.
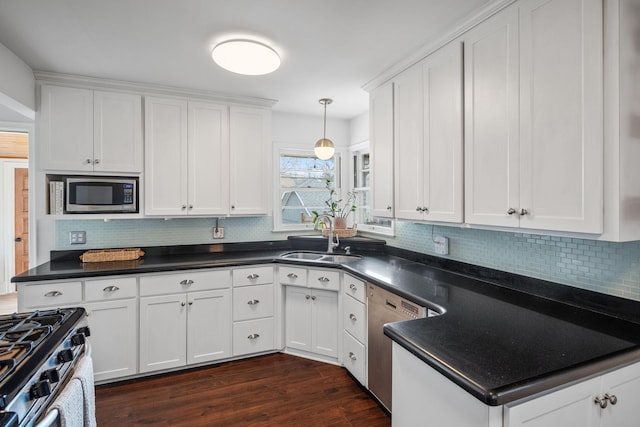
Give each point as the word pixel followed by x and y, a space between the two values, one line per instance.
pixel 501 337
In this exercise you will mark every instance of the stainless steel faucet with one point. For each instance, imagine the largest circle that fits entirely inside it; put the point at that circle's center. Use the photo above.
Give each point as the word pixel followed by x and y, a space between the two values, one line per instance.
pixel 330 244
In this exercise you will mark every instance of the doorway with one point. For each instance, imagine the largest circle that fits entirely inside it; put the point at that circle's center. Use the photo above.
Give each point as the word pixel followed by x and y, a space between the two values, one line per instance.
pixel 14 206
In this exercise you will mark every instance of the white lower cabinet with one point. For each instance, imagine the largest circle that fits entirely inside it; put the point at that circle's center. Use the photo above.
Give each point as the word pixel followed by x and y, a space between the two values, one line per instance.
pixel 208 326
pixel 354 320
pixel 419 389
pixel 114 338
pixel 610 400
pixel 311 320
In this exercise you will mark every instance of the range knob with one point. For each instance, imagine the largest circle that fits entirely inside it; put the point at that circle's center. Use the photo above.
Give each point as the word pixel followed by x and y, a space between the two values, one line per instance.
pixel 84 330
pixel 77 339
pixel 65 356
pixel 50 374
pixel 40 389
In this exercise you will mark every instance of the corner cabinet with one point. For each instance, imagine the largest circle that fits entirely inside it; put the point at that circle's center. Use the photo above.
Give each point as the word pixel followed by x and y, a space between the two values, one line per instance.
pixel 534 117
pixel 250 160
pixel 81 130
pixel 428 138
pixel 381 124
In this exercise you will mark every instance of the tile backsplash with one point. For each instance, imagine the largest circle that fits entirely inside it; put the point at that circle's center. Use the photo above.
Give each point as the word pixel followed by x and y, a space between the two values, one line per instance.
pixel 611 268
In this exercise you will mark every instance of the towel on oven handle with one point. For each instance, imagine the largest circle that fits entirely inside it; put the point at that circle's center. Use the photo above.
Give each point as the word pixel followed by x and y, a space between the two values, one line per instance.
pixel 69 405
pixel 83 372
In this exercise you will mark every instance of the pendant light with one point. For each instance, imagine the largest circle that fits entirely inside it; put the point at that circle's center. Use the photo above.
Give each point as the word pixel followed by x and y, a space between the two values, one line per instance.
pixel 324 148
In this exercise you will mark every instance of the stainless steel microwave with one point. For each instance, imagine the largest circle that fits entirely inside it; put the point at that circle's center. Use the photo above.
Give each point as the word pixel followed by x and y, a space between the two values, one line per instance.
pixel 101 195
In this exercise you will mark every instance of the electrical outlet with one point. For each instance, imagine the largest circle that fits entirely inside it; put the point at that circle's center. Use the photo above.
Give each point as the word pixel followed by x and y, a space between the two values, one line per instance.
pixel 441 245
pixel 218 232
pixel 77 237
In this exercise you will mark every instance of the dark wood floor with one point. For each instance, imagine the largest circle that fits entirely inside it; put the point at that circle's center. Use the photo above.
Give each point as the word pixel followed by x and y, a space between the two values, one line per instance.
pixel 272 390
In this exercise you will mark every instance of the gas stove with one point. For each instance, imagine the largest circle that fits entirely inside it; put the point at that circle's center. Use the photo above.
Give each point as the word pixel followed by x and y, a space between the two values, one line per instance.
pixel 37 353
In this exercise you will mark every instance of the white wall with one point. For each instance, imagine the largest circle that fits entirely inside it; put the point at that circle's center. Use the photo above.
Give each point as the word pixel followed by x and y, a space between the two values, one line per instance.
pixel 359 128
pixel 304 130
pixel 17 86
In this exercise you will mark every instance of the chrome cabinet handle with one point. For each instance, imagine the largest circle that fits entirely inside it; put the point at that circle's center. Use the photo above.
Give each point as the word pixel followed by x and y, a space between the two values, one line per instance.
pixel 292 276
pixel 523 212
pixel 307 296
pixel 511 211
pixel 418 209
pixel 190 206
pixel 182 304
pixel 186 282
pixel 253 276
pixel 353 317
pixel 253 302
pixel 88 161
pixel 53 294
pixel 323 279
pixel 111 289
pixel 352 356
pixel 313 297
pixel 389 208
pixel 96 162
pixel 353 287
pixel 183 207
pixel 611 398
pixel 253 336
pixel 190 302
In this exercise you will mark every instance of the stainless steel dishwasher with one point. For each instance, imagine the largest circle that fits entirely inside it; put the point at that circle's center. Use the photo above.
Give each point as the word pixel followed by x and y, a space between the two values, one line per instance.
pixel 384 307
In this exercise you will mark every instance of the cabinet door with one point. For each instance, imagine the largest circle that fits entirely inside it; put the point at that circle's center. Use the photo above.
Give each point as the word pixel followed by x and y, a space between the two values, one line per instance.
pixel 117 132
pixel 624 384
pixel 571 406
pixel 298 318
pixel 324 321
pixel 561 110
pixel 442 155
pixel 208 153
pixel 114 338
pixel 209 326
pixel 165 157
pixel 163 326
pixel 66 129
pixel 250 160
pixel 381 113
pixel 491 121
pixel 408 140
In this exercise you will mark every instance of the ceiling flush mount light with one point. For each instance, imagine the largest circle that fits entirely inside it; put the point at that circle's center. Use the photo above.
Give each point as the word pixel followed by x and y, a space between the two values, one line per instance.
pixel 324 148
pixel 246 57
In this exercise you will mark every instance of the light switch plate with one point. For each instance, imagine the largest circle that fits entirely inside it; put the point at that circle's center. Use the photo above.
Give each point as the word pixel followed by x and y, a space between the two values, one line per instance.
pixel 218 232
pixel 77 237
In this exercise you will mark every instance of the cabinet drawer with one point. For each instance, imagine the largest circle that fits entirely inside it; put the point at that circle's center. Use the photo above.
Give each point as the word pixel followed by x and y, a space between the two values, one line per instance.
pixel 354 287
pixel 292 275
pixel 252 276
pixel 110 289
pixel 253 336
pixel 252 302
pixel 354 357
pixel 324 279
pixel 51 294
pixel 186 281
pixel 355 320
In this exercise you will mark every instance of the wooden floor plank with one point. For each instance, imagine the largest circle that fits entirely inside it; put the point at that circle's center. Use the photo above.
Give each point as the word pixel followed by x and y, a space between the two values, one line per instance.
pixel 272 390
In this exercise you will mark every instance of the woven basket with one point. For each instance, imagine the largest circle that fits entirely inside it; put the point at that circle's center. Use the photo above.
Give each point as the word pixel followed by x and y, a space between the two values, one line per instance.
pixel 104 255
pixel 340 232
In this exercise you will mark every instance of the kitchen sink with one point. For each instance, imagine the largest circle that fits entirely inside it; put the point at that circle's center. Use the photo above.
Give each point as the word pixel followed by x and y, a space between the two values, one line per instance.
pixel 320 257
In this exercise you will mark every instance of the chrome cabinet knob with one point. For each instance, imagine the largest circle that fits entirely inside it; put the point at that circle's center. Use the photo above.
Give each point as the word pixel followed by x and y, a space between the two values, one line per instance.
pixel 190 302
pixel 182 304
pixel 111 289
pixel 611 398
pixel 307 296
pixel 353 287
pixel 96 162
pixel 253 302
pixel 511 211
pixel 353 317
pixel 53 294
pixel 313 297
pixel 183 207
pixel 292 276
pixel 323 279
pixel 523 212
pixel 352 356
pixel 88 161
pixel 418 209
pixel 253 336
pixel 389 208
pixel 253 276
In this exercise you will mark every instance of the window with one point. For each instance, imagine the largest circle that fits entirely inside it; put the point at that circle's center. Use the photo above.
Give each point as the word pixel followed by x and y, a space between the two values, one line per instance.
pixel 360 173
pixel 302 188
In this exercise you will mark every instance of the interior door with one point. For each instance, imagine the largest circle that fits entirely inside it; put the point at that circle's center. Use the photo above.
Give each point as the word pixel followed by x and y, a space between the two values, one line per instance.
pixel 21 219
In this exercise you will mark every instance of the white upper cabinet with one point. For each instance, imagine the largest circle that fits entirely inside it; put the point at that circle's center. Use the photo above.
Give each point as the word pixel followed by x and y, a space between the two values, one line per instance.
pixel 208 151
pixel 166 161
pixel 491 121
pixel 85 131
pixel 535 161
pixel 381 140
pixel 428 138
pixel 250 160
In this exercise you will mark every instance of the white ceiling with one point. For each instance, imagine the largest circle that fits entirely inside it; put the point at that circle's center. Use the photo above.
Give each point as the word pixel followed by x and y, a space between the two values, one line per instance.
pixel 329 48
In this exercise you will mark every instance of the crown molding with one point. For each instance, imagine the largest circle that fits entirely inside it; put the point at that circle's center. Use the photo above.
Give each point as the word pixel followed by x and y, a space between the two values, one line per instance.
pixel 462 27
pixel 87 82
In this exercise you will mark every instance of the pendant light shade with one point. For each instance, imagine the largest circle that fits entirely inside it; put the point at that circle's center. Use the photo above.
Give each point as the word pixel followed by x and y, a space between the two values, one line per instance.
pixel 324 148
